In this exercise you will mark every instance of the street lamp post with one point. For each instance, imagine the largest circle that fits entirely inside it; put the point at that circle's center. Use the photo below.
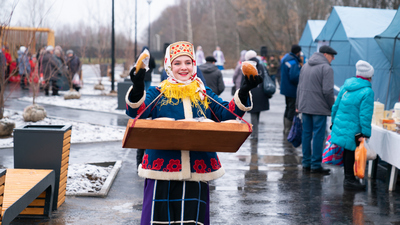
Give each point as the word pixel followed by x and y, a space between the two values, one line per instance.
pixel 112 49
pixel 148 44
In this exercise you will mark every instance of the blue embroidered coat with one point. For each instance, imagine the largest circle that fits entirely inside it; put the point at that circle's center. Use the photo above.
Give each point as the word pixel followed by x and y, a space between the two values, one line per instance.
pixel 182 165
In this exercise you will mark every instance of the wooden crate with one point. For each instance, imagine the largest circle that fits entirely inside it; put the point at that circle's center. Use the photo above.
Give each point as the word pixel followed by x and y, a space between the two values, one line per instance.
pixel 185 135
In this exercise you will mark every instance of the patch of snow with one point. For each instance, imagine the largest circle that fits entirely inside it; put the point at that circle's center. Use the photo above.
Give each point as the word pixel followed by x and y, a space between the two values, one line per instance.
pixel 98 103
pixel 86 178
pixel 81 132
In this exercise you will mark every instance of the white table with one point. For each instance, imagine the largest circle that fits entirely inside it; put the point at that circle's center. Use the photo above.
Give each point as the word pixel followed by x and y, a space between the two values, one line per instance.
pixel 387 145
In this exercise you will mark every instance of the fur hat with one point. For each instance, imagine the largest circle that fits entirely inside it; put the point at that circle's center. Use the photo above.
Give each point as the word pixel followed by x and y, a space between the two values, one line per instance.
pixel 250 54
pixel 364 69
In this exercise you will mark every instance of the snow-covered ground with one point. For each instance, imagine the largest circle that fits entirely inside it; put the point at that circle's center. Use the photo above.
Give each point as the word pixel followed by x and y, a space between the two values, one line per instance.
pixel 86 178
pixel 101 103
pixel 81 132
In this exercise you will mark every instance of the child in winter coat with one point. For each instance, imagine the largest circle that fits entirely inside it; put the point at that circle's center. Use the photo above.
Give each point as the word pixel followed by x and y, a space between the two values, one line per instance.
pixel 351 118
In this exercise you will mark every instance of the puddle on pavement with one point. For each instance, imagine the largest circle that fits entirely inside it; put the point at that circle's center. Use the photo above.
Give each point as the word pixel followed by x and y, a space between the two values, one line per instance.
pixel 271 159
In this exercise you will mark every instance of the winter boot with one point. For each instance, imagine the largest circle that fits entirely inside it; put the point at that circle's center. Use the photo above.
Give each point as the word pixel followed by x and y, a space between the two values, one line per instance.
pixel 351 183
pixel 46 92
pixel 55 92
pixel 287 124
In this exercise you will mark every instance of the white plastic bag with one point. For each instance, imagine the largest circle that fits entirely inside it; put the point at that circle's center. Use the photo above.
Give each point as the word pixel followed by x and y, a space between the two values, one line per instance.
pixel 371 154
pixel 76 80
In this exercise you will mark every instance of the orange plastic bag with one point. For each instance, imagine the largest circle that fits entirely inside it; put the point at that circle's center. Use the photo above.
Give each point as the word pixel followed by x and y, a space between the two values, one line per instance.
pixel 360 161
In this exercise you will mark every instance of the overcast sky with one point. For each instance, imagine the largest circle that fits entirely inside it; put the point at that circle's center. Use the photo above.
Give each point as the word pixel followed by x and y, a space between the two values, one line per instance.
pixel 73 11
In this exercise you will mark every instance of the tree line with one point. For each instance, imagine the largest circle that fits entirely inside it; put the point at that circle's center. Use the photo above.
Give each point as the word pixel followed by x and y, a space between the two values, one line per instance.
pixel 234 25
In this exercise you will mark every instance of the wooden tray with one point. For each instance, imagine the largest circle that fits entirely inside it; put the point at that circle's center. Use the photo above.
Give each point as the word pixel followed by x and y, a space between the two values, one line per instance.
pixel 185 135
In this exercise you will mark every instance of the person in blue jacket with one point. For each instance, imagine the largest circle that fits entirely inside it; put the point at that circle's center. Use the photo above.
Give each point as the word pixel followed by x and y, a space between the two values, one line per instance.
pixel 290 71
pixel 351 118
pixel 176 181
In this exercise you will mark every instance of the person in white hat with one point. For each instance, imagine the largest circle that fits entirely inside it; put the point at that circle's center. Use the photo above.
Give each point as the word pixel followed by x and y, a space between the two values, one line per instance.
pixel 24 67
pixel 351 118
pixel 260 99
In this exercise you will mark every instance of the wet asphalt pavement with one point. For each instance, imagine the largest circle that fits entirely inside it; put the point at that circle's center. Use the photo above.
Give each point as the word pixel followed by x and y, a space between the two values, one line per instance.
pixel 264 182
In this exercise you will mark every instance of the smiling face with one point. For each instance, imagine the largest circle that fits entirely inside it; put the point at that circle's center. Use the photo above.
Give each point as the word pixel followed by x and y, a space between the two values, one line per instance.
pixel 182 68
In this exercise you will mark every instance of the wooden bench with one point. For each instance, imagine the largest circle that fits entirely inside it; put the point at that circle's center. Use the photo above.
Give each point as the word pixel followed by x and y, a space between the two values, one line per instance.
pixel 27 192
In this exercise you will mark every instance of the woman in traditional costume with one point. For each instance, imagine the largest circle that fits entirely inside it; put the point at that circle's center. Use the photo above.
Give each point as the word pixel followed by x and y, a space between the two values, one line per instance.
pixel 176 186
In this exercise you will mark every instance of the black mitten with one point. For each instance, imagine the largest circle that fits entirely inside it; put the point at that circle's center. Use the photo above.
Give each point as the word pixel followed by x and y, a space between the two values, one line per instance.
pixel 138 84
pixel 357 136
pixel 247 85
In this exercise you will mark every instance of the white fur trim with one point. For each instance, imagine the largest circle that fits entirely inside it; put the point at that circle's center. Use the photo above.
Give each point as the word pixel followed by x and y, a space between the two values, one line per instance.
pixel 187 108
pixel 134 105
pixel 185 156
pixel 208 176
pixel 240 104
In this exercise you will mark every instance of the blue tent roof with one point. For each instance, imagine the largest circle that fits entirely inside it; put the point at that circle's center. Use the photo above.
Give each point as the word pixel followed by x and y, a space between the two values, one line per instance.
pixel 351 31
pixel 310 33
pixel 389 42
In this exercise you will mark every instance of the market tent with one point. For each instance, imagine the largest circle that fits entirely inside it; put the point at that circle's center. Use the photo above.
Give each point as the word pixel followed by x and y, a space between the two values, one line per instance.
pixel 310 32
pixel 351 31
pixel 389 41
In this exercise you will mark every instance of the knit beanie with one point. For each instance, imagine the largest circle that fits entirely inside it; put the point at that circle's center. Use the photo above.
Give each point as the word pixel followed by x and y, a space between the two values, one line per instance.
pixel 364 69
pixel 250 54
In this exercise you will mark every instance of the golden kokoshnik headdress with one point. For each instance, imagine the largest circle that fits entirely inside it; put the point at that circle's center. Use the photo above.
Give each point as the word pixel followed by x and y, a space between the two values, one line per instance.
pixel 174 88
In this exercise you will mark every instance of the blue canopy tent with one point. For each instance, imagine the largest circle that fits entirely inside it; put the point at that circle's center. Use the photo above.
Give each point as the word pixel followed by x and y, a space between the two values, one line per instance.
pixel 389 41
pixel 310 32
pixel 351 31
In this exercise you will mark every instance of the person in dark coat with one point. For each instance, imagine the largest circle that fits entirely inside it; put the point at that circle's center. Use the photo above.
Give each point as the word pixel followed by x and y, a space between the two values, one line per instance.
pixel 24 67
pixel 260 100
pixel 290 72
pixel 50 70
pixel 74 67
pixel 273 67
pixel 213 75
pixel 314 100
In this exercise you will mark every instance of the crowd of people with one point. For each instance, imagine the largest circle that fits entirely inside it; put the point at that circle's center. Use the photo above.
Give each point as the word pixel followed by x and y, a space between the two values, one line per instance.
pixel 47 68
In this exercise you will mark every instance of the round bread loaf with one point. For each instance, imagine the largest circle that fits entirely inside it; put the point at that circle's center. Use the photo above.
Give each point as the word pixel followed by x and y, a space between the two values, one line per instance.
pixel 249 68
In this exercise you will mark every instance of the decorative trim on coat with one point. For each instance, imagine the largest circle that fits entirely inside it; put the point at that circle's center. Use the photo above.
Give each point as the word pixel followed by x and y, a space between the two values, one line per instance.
pixel 187 108
pixel 240 104
pixel 136 104
pixel 184 174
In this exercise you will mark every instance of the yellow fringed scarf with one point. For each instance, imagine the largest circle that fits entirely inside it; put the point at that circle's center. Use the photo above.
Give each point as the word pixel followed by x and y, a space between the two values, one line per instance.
pixel 181 91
